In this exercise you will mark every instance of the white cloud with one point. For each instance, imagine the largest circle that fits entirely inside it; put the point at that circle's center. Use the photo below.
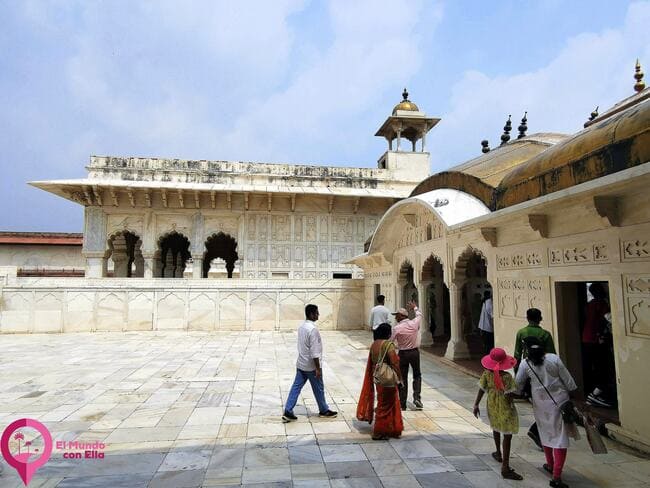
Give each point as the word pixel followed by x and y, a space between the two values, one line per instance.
pixel 592 69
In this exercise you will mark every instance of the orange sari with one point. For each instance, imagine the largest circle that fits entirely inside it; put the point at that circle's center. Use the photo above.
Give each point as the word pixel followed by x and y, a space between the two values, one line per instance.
pixel 388 414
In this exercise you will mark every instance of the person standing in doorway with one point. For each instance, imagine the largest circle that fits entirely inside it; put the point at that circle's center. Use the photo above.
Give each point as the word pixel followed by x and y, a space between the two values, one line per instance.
pixel 486 323
pixel 533 329
pixel 308 367
pixel 406 335
pixel 379 315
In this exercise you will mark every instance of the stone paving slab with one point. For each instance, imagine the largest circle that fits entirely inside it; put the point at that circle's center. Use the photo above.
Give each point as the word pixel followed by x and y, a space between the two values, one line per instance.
pixel 190 410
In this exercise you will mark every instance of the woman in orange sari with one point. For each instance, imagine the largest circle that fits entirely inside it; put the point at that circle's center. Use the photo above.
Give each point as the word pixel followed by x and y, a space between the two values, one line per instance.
pixel 388 414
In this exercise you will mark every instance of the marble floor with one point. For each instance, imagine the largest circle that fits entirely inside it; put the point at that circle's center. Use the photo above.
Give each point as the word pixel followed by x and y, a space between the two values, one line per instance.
pixel 184 410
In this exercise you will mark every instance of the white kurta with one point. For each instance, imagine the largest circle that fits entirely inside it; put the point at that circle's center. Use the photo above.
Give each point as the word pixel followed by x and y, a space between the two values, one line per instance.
pixel 559 383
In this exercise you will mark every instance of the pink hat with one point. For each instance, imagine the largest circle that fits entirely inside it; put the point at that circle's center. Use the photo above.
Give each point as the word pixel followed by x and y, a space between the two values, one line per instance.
pixel 498 360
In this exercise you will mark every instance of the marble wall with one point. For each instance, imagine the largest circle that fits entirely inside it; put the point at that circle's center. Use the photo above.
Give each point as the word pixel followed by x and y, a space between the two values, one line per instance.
pixel 78 304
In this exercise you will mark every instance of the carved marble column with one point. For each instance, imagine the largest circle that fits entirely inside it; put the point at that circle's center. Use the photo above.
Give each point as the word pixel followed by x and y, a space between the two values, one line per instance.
pixel 425 332
pixel 96 265
pixel 456 347
pixel 120 257
pixel 197 266
pixel 149 265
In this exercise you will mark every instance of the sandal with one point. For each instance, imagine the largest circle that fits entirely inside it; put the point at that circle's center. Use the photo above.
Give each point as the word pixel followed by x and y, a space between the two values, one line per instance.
pixel 547 468
pixel 379 438
pixel 511 474
pixel 497 457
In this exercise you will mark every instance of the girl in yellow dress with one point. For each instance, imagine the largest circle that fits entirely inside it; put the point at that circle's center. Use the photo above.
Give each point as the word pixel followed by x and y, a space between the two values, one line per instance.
pixel 504 420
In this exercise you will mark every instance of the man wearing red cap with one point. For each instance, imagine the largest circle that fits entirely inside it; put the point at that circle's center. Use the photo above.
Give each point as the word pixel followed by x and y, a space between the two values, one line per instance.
pixel 406 336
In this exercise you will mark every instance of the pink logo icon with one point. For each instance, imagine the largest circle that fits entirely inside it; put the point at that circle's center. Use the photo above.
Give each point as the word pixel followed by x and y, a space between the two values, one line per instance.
pixel 18 446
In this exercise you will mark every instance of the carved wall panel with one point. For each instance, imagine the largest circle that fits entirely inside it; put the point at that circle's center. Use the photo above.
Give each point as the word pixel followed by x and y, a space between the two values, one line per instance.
pixel 297 229
pixel 262 312
pixel 140 311
pixel 81 312
pixel 350 313
pixel 110 312
pixel 202 312
pixel 311 231
pixel 516 295
pixel 232 312
pixel 636 289
pixel 173 223
pixel 292 312
pixel 342 229
pixel 592 253
pixel 131 223
pixel 171 312
pixel 48 312
pixel 226 224
pixel 281 256
pixel 520 260
pixel 251 225
pixel 281 228
pixel 323 229
pixel 15 313
pixel 635 250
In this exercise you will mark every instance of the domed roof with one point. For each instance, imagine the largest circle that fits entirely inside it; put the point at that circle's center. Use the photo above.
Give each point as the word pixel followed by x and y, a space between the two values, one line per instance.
pixel 405 104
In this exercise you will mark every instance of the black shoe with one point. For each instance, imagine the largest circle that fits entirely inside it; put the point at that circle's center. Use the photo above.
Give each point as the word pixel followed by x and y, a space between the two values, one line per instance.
pixel 403 408
pixel 288 416
pixel 558 484
pixel 329 414
pixel 418 404
pixel 535 439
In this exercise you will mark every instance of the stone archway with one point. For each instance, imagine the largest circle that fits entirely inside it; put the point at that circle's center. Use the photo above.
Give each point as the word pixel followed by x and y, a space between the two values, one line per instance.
pixel 466 299
pixel 173 253
pixel 220 246
pixel 125 250
pixel 435 304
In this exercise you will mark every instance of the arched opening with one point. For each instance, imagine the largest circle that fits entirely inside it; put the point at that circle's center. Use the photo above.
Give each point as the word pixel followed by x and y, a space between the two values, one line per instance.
pixel 406 282
pixel 220 250
pixel 125 256
pixel 436 309
pixel 173 254
pixel 471 292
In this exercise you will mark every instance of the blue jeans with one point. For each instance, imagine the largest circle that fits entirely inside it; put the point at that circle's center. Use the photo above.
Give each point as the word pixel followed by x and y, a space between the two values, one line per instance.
pixel 317 387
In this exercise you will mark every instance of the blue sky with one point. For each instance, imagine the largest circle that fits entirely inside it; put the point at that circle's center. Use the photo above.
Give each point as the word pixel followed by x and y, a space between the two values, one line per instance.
pixel 289 81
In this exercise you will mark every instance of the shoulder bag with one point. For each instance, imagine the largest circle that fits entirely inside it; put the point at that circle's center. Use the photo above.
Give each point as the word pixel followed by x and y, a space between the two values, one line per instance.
pixel 384 374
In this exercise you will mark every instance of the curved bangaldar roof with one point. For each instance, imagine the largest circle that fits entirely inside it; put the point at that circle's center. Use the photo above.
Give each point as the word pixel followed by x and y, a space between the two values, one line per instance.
pixel 450 206
pixel 479 176
pixel 615 143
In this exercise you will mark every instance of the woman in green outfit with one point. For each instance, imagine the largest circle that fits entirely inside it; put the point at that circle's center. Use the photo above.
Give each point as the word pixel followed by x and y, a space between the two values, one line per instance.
pixel 504 420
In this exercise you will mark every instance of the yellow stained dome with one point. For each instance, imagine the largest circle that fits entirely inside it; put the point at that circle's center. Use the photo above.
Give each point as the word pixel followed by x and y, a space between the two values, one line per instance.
pixel 405 104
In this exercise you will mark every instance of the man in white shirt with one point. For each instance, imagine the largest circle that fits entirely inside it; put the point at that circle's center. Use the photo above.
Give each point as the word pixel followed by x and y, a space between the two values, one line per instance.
pixel 486 323
pixel 308 367
pixel 379 315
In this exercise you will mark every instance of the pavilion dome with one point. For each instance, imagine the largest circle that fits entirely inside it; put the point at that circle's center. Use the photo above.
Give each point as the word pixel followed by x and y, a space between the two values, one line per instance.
pixel 405 104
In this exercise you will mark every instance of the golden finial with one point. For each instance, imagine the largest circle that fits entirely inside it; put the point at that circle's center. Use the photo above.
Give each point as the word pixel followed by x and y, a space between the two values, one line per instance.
pixel 638 76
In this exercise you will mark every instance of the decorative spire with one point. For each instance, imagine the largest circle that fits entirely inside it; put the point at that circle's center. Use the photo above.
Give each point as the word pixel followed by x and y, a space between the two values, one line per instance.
pixel 638 76
pixel 592 116
pixel 405 95
pixel 523 127
pixel 505 137
pixel 485 146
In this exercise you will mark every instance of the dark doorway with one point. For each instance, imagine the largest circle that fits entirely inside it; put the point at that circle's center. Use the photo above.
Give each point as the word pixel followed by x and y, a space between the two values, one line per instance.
pixel 585 343
pixel 174 251
pixel 220 246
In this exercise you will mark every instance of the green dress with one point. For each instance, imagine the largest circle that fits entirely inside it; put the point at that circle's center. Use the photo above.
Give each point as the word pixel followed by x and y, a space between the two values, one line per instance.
pixel 501 411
